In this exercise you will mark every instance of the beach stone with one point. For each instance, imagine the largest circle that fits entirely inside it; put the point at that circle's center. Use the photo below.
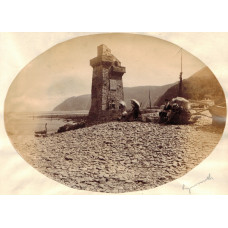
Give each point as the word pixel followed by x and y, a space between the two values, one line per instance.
pixel 129 157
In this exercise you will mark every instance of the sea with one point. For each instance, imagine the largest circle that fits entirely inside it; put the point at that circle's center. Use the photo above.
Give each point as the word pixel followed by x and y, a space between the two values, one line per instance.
pixel 26 123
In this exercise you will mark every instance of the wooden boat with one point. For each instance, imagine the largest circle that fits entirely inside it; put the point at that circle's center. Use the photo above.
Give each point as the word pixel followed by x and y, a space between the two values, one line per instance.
pixel 218 113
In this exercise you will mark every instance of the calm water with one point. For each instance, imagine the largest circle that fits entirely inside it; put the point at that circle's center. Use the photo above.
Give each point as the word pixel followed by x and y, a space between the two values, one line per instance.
pixel 28 123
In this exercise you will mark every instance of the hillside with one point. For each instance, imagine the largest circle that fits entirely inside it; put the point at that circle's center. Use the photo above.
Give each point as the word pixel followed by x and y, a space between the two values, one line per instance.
pixel 75 103
pixel 140 93
pixel 200 85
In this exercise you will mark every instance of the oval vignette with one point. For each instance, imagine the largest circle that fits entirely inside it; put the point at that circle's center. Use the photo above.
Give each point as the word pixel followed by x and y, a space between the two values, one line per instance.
pixel 94 150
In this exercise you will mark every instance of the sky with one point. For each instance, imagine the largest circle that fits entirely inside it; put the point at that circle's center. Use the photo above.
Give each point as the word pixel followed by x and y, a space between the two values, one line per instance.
pixel 63 70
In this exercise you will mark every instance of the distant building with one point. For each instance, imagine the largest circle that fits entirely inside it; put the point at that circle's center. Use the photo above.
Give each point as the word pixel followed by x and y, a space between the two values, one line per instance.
pixel 107 85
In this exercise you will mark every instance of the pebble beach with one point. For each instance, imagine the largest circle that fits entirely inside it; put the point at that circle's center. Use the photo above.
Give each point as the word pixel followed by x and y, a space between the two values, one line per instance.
pixel 118 157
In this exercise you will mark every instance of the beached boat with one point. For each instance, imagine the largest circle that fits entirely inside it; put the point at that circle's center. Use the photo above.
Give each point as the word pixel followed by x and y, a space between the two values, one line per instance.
pixel 218 113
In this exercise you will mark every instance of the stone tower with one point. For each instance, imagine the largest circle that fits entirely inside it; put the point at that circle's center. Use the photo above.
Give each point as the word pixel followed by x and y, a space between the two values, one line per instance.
pixel 107 85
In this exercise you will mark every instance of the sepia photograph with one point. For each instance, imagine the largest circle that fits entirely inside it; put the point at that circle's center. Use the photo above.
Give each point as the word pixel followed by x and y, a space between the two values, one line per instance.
pixel 115 112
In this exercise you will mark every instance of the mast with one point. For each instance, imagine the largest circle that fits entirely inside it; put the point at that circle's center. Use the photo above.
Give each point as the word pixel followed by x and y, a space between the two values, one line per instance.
pixel 180 82
pixel 149 99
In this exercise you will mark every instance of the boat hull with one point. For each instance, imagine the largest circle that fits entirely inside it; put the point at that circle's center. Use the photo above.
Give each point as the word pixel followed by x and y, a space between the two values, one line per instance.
pixel 218 115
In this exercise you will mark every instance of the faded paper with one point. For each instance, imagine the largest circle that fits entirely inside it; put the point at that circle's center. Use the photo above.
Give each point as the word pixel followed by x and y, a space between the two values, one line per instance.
pixel 20 178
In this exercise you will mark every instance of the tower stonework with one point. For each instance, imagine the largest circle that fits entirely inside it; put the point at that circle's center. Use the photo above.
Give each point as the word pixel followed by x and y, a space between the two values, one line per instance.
pixel 107 85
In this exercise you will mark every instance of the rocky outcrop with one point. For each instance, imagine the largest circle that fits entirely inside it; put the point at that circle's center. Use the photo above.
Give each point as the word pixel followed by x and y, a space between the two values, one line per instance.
pixel 69 127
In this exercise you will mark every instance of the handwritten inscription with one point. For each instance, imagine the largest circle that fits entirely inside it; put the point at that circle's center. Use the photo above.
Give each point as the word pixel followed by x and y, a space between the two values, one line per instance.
pixel 189 189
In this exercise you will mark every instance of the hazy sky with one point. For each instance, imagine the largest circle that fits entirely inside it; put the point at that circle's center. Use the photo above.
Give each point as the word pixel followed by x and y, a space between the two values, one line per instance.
pixel 64 71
